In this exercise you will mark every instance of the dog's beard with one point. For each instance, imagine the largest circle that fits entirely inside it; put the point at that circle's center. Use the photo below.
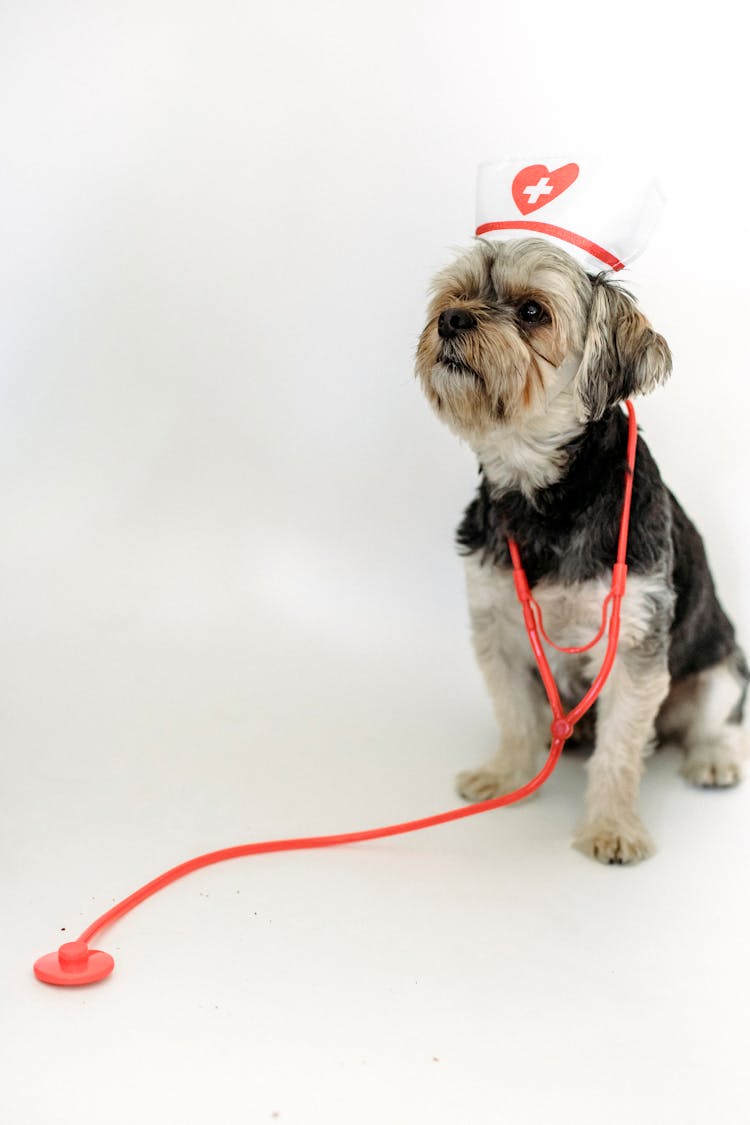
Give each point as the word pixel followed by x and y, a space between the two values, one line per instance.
pixel 481 379
pixel 450 362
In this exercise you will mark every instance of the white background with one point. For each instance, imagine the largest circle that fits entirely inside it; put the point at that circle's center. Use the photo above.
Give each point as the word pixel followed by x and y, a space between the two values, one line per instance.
pixel 231 609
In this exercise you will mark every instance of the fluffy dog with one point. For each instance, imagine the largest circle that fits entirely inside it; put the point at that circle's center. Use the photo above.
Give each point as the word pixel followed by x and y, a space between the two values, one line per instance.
pixel 526 356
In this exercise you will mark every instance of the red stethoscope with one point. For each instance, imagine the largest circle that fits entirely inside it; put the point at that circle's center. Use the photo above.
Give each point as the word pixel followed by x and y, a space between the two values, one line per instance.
pixel 74 963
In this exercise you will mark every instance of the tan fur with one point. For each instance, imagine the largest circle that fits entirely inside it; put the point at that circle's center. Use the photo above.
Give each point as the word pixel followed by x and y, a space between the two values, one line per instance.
pixel 491 375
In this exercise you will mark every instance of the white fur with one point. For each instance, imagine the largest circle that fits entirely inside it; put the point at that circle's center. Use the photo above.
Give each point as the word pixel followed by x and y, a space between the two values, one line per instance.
pixel 698 713
pixel 528 455
pixel 628 704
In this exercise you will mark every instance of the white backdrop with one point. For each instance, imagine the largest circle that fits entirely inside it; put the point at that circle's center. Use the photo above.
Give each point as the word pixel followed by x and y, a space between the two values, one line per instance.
pixel 231 605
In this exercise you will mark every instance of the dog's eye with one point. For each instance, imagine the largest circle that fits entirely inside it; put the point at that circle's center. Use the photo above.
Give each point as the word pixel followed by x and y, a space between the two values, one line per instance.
pixel 531 312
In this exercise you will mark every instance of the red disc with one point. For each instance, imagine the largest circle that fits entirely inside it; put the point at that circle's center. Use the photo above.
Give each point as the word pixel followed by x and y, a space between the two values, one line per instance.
pixel 74 963
pixel 561 728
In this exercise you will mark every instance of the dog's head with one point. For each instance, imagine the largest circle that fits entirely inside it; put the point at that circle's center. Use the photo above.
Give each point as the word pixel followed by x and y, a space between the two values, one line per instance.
pixel 507 316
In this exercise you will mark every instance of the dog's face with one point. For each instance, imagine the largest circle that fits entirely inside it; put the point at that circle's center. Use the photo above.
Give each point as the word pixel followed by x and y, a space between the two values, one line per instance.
pixel 506 315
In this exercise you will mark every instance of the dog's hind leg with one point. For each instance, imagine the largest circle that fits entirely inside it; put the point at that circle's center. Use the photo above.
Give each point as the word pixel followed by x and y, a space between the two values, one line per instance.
pixel 711 730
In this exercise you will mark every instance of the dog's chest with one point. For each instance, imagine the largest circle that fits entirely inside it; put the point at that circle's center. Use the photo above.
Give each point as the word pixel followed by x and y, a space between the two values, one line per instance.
pixel 571 613
pixel 572 616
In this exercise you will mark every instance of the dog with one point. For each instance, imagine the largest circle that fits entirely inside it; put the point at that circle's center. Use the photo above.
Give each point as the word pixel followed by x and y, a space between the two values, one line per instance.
pixel 526 356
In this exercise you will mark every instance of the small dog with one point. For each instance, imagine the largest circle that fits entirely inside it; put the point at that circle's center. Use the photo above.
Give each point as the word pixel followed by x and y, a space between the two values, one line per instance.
pixel 526 356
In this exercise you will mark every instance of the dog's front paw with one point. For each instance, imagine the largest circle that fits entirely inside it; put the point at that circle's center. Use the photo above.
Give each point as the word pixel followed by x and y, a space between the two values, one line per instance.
pixel 713 766
pixel 485 783
pixel 615 841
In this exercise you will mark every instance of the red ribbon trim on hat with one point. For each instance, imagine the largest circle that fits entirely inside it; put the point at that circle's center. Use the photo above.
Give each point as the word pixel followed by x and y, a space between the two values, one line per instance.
pixel 558 232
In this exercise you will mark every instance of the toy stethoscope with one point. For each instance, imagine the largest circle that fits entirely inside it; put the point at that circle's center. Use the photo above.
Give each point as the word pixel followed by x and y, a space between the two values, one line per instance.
pixel 74 963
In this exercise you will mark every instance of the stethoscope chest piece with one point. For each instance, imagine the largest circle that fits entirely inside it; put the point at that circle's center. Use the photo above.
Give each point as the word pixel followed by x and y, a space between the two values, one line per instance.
pixel 74 963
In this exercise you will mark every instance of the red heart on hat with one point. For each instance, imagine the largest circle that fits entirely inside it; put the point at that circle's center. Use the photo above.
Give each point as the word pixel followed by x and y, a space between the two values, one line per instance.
pixel 536 185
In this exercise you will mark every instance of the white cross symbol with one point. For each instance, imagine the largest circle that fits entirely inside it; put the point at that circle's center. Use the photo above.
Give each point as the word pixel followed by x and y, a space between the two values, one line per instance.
pixel 542 188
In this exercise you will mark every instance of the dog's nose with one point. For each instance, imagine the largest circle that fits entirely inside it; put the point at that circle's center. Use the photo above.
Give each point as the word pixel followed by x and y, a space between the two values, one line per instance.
pixel 453 321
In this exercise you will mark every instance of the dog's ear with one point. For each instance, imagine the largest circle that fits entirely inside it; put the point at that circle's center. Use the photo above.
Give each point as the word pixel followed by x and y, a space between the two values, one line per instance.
pixel 622 355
